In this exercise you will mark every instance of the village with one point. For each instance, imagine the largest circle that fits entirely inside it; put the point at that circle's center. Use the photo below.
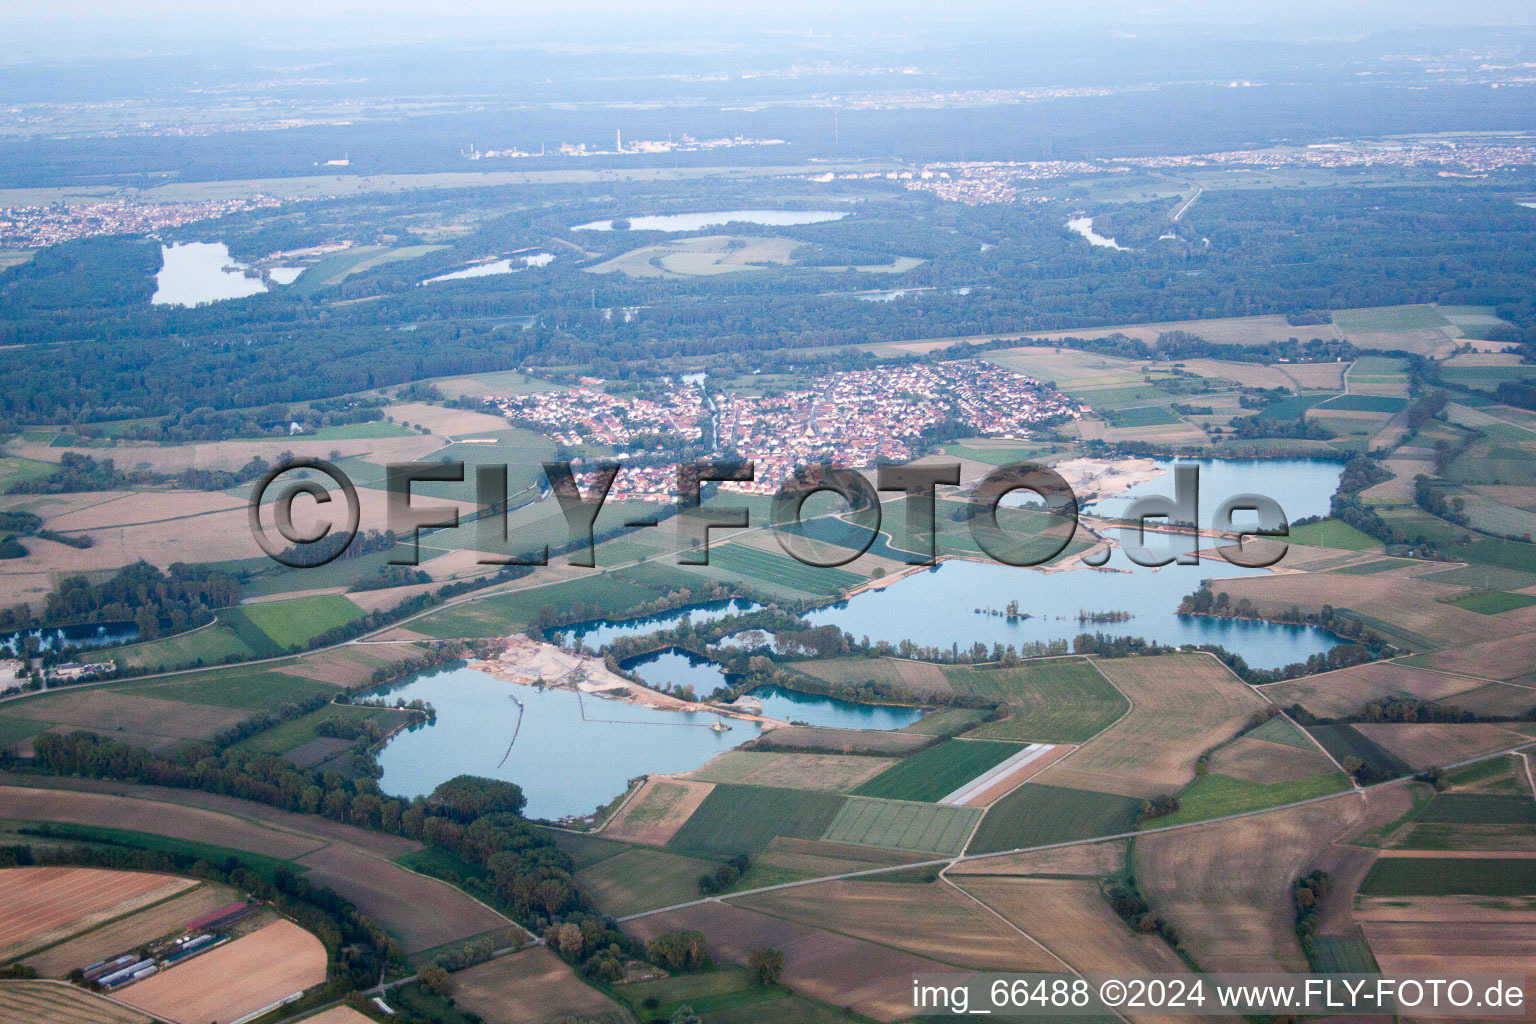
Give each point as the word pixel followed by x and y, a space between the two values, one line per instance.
pixel 854 418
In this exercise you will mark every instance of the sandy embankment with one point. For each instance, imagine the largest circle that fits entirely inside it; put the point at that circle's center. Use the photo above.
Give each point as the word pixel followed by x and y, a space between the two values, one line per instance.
pixel 536 663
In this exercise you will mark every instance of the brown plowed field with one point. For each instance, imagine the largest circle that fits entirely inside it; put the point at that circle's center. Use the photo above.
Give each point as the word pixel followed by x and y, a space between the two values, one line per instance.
pixel 53 1002
pixel 235 979
pixel 931 920
pixel 875 980
pixel 43 905
pixel 1226 886
pixel 534 985
pixel 1493 659
pixel 1332 694
pixel 1184 704
pixel 1263 761
pixel 131 932
pixel 653 815
pixel 1088 860
pixel 422 912
pixel 192 823
pixel 1423 744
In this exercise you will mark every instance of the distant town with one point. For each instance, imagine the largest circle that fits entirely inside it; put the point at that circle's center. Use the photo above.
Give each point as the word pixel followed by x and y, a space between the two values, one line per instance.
pixel 854 418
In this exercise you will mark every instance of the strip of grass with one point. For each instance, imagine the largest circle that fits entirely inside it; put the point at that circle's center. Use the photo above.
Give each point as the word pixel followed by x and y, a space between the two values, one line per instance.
pixel 745 819
pixel 297 731
pixel 1364 403
pixel 1145 416
pixel 1034 815
pixel 1492 602
pixel 1335 955
pixel 1373 567
pixel 1280 729
pixel 1215 796
pixel 1331 533
pixel 742 561
pixel 938 771
pixel 1451 876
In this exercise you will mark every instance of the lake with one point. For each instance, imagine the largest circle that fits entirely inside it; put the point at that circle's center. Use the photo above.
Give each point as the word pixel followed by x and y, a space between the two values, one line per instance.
pixel 73 637
pixel 938 608
pixel 193 273
pixel 494 267
pixel 601 632
pixel 573 753
pixel 1084 227
pixel 1302 487
pixel 716 218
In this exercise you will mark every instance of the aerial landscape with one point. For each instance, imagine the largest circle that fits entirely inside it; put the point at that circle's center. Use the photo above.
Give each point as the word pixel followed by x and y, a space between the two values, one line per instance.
pixel 608 515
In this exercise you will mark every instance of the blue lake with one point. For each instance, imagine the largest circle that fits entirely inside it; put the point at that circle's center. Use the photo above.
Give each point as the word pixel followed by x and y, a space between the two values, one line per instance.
pixel 938 608
pixel 573 753
pixel 600 632
pixel 67 637
pixel 1302 487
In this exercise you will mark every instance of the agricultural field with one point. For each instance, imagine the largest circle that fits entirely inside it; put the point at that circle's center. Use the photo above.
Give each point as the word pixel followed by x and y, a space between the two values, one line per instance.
pixel 1071 919
pixel 235 979
pixel 1430 744
pixel 642 879
pixel 1331 533
pixel 1182 706
pixel 655 813
pixel 27 1002
pixel 932 920
pixel 1056 700
pixel 1226 886
pixel 280 626
pixel 873 980
pixel 533 985
pixel 744 819
pixel 42 906
pixel 132 930
pixel 792 771
pixel 1451 876
pixel 1037 814
pixel 901 825
pixel 938 771
pixel 1215 795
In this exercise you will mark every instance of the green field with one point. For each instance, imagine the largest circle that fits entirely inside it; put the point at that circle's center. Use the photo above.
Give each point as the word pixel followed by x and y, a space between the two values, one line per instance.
pixel 1338 955
pixel 1280 729
pixel 16 470
pixel 1373 567
pixel 1331 533
pixel 1343 741
pixel 1035 815
pixel 938 771
pixel 640 879
pixel 714 991
pixel 1141 416
pixel 1455 876
pixel 297 731
pixel 279 626
pixel 1485 577
pixel 1480 809
pixel 585 850
pixel 1389 318
pixel 745 819
pixel 256 688
pixel 371 429
pixel 738 561
pixel 946 721
pixel 1492 602
pixel 1055 700
pixel 902 825
pixel 1364 403
pixel 587 597
pixel 1216 796
pixel 208 645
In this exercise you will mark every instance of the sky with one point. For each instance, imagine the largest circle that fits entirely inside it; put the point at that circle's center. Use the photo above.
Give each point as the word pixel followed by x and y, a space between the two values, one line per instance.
pixel 39 30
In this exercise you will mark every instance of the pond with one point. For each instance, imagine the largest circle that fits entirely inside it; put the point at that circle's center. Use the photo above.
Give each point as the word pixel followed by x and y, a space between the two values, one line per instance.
pixel 601 632
pixel 572 753
pixel 503 266
pixel 1302 487
pixel 813 709
pixel 72 637
pixel 197 272
pixel 717 218
pixel 938 607
pixel 1084 226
